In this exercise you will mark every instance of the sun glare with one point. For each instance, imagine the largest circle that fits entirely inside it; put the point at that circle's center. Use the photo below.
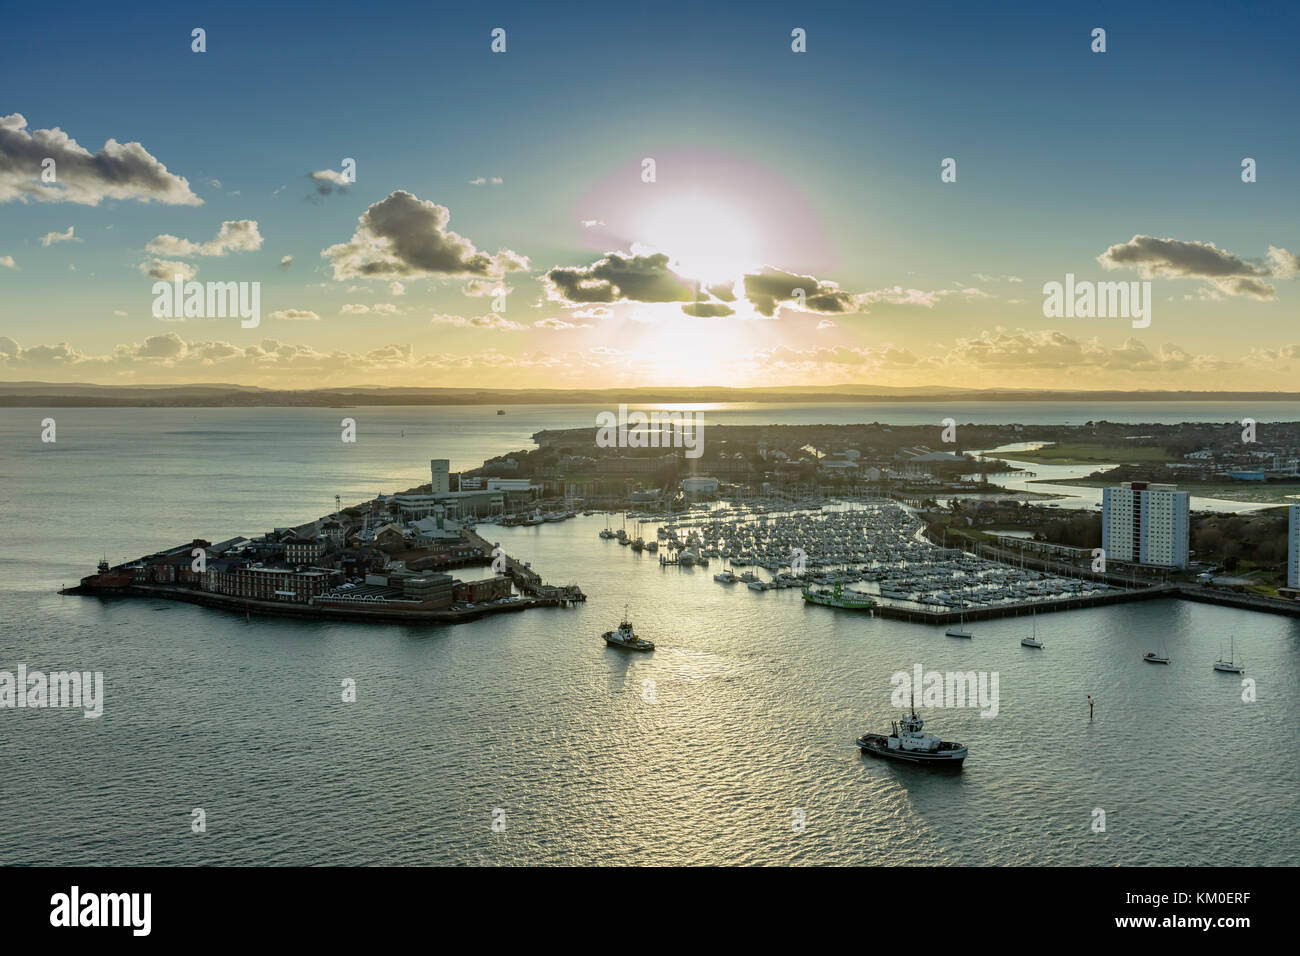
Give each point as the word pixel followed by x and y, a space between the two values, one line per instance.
pixel 707 240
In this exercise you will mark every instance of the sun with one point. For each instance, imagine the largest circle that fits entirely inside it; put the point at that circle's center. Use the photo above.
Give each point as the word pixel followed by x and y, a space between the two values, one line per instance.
pixel 705 239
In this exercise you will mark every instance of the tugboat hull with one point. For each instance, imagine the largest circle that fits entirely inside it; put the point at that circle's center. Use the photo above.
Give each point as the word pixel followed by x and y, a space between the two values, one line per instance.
pixel 878 746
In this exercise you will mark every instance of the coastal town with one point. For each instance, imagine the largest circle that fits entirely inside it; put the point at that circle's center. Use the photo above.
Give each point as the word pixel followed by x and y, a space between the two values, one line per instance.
pixel 927 530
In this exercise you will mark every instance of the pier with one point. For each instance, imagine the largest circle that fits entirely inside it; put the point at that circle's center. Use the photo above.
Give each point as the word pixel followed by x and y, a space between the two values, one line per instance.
pixel 946 617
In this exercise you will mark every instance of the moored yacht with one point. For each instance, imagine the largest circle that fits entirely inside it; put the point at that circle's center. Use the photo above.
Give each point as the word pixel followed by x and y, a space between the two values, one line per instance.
pixel 1230 666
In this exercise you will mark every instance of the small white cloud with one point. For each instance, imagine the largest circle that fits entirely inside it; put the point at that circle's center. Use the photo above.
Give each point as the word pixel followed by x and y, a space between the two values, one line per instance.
pixel 296 315
pixel 240 235
pixel 52 237
pixel 8 262
pixel 285 261
pixel 166 270
pixel 396 288
pixel 119 313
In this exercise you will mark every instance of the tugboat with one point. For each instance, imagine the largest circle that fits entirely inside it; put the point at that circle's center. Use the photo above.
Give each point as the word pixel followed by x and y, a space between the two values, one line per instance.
pixel 626 638
pixel 838 597
pixel 908 744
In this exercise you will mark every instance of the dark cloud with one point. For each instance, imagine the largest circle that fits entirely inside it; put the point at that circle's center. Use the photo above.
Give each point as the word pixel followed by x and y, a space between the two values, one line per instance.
pixel 1155 258
pixel 117 171
pixel 615 278
pixel 769 288
pixel 708 310
pixel 404 236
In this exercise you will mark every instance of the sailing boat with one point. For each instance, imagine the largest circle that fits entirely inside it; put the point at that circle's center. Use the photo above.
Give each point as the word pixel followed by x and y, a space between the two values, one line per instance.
pixel 1032 641
pixel 960 630
pixel 1230 665
pixel 1151 657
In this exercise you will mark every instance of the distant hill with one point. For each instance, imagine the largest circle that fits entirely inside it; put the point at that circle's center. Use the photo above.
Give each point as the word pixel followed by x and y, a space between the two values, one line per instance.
pixel 47 394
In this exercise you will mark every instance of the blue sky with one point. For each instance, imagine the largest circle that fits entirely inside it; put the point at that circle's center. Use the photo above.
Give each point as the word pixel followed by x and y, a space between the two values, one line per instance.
pixel 823 165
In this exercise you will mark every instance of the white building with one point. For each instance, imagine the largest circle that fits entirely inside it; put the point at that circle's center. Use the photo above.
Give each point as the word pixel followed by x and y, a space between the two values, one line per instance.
pixel 1145 523
pixel 1293 547
pixel 509 484
pixel 440 470
pixel 700 486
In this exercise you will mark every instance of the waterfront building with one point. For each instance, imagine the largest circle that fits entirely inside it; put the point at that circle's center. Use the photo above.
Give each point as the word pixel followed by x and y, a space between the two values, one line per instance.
pixel 301 551
pixel 1145 524
pixel 440 471
pixel 475 592
pixel 509 484
pixel 461 504
pixel 269 584
pixel 700 486
pixel 1293 547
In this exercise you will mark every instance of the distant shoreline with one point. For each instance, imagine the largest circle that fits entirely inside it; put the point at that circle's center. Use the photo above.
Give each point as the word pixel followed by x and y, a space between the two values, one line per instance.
pixel 83 395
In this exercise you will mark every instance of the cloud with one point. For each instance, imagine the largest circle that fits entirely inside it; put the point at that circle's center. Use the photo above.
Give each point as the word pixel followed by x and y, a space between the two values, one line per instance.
pixel 477 287
pixel 708 310
pixel 396 288
pixel 489 321
pixel 119 313
pixel 555 324
pixel 1283 264
pixel 117 171
pixel 238 235
pixel 826 324
pixel 403 236
pixel 8 262
pixel 167 271
pixel 591 223
pixel 1155 258
pixel 286 261
pixel 770 287
pixel 615 278
pixel 296 315
pixel 789 359
pixel 897 295
pixel 327 180
pixel 50 238
pixel 1055 350
pixel 485 181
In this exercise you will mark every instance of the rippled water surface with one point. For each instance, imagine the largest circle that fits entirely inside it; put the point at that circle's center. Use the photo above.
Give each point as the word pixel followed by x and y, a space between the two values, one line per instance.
pixel 699 753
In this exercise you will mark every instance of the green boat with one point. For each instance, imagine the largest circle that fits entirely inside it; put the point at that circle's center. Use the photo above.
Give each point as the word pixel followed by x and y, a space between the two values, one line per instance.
pixel 838 597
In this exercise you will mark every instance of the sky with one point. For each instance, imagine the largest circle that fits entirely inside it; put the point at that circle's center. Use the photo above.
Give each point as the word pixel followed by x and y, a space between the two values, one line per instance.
pixel 651 194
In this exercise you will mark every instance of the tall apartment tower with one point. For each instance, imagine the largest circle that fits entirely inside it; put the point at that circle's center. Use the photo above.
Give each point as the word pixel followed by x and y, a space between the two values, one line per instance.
pixel 440 469
pixel 1293 547
pixel 1145 523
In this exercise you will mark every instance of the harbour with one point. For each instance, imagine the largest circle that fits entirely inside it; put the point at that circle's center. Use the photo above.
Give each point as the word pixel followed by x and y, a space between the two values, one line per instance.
pixel 747 708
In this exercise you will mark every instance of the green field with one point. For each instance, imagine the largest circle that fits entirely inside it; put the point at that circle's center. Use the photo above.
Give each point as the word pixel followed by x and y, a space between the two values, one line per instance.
pixel 1255 492
pixel 1086 453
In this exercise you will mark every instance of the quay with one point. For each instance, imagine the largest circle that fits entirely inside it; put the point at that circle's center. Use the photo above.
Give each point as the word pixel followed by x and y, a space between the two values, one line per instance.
pixel 946 617
pixel 241 605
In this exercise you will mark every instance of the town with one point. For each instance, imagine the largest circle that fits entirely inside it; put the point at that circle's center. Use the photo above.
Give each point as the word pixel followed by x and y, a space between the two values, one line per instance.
pixel 417 554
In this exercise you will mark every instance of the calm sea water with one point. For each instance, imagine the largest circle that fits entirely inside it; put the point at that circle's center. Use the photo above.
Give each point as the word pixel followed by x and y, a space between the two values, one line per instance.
pixel 699 753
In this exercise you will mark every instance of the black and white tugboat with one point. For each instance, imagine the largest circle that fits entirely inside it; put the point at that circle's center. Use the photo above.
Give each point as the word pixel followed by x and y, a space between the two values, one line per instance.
pixel 626 638
pixel 909 744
